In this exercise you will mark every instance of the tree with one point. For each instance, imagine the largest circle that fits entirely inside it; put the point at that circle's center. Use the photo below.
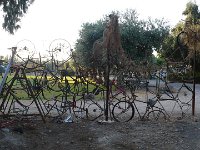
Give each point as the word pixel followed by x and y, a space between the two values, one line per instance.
pixel 192 28
pixel 13 10
pixel 138 37
pixel 171 49
pixel 192 13
pixel 184 38
pixel 187 33
pixel 88 35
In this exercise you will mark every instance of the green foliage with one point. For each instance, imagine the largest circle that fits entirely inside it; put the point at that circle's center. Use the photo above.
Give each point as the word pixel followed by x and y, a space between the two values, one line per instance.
pixel 192 13
pixel 138 37
pixel 190 26
pixel 177 29
pixel 160 61
pixel 88 35
pixel 13 10
pixel 170 48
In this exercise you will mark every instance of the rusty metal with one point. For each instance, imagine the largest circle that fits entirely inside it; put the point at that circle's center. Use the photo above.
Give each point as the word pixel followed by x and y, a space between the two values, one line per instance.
pixel 191 40
pixel 31 94
pixel 107 85
pixel 53 79
pixel 194 81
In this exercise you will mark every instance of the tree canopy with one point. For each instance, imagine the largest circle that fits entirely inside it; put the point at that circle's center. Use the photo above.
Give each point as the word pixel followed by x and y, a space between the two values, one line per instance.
pixel 13 11
pixel 187 32
pixel 192 13
pixel 170 48
pixel 88 35
pixel 139 37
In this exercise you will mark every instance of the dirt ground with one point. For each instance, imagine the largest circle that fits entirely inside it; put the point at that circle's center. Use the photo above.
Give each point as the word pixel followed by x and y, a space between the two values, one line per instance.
pixel 88 135
pixel 174 134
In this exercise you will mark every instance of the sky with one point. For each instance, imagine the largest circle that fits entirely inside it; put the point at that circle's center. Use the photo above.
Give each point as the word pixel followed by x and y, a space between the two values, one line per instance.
pixel 47 20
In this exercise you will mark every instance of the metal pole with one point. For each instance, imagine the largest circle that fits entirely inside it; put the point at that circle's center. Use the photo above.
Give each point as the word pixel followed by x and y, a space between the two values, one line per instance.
pixel 107 85
pixel 194 80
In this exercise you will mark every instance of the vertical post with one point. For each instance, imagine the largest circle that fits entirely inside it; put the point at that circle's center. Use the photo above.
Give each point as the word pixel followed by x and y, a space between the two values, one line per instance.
pixel 194 69
pixel 107 85
pixel 194 79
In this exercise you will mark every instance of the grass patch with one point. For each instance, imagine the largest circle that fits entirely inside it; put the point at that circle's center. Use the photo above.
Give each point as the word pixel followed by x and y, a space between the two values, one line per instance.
pixel 49 87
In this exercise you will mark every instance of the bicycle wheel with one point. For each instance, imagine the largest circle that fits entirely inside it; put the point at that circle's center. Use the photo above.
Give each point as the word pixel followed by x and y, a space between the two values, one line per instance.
pixel 94 111
pixel 123 111
pixel 182 39
pixel 52 108
pixel 60 50
pixel 25 50
pixel 156 115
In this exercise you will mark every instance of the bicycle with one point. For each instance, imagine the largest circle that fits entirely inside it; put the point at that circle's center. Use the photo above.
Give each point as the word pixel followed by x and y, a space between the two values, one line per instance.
pixel 164 93
pixel 86 104
pixel 124 110
pixel 92 103
pixel 123 102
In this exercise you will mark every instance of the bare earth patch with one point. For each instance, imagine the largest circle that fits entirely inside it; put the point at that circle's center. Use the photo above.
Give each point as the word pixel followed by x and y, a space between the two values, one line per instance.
pixel 91 135
pixel 84 135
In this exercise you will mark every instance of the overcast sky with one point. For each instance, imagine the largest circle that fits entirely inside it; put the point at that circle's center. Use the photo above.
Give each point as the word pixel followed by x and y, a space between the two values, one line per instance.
pixel 47 20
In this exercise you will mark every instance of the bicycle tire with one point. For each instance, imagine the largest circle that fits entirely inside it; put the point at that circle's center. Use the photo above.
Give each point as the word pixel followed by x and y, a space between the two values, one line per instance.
pixel 156 115
pixel 123 111
pixel 55 108
pixel 94 111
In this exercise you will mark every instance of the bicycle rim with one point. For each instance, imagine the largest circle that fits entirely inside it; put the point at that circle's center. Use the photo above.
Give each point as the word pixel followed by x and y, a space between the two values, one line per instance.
pixel 156 115
pixel 123 111
pixel 94 111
